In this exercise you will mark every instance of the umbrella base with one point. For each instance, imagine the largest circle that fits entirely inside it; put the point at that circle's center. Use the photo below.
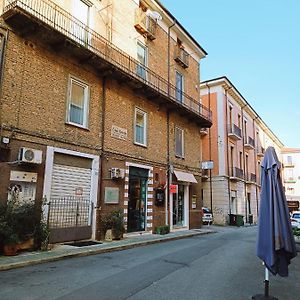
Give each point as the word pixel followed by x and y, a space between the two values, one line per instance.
pixel 263 297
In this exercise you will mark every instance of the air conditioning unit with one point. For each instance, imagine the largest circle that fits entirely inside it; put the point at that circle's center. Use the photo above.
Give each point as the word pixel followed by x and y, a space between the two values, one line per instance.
pixel 117 173
pixel 32 156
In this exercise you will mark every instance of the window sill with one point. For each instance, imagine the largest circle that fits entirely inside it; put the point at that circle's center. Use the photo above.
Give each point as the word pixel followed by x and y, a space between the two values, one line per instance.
pixel 141 145
pixel 77 125
pixel 180 157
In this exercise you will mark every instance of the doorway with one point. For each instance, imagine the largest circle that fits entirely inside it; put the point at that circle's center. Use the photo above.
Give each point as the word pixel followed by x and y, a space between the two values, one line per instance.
pixel 137 204
pixel 179 207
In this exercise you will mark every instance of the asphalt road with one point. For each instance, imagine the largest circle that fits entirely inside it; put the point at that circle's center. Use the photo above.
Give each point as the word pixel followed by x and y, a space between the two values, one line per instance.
pixel 215 266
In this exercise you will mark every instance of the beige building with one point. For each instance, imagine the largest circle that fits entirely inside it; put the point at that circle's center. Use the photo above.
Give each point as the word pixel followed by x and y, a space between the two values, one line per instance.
pixel 100 109
pixel 235 143
pixel 291 176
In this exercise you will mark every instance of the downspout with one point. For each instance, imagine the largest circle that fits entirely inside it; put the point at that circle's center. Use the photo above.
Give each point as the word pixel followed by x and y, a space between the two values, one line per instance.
pixel 103 108
pixel 169 173
pixel 209 150
pixel 244 162
pixel 255 164
pixel 227 146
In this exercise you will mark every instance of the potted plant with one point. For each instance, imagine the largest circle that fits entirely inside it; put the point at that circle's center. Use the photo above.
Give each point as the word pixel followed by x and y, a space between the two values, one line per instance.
pixel 113 221
pixel 118 228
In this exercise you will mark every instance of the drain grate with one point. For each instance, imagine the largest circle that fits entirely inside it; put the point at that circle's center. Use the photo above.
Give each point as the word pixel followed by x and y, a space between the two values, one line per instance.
pixel 83 243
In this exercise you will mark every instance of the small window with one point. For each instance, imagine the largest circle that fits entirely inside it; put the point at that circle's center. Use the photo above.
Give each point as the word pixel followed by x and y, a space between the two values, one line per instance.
pixel 140 127
pixel 179 142
pixel 78 99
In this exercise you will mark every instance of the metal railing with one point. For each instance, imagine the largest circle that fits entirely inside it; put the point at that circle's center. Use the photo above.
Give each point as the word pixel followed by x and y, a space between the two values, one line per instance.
pixel 234 130
pixel 236 173
pixel 181 56
pixel 68 212
pixel 250 141
pixel 60 20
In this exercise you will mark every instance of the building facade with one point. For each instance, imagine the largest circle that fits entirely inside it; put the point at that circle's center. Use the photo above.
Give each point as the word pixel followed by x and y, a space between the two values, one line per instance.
pixel 100 110
pixel 235 144
pixel 291 176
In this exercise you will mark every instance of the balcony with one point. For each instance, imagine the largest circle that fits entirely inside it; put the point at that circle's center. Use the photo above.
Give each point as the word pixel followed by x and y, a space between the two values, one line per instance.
pixel 203 131
pixel 260 151
pixel 290 180
pixel 145 24
pixel 251 178
pixel 181 57
pixel 249 143
pixel 236 174
pixel 47 23
pixel 289 165
pixel 234 132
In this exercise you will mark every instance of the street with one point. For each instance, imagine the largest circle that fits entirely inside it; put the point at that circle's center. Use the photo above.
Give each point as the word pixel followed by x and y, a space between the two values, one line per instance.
pixel 222 265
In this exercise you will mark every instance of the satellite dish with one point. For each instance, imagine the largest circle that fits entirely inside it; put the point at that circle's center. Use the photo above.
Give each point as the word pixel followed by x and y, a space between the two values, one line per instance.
pixel 155 15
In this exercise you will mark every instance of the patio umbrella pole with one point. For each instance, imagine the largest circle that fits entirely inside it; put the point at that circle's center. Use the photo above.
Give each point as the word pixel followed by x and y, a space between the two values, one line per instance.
pixel 266 296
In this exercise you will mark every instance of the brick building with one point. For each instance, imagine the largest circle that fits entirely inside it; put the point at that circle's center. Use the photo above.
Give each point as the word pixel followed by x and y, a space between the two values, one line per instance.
pixel 235 143
pixel 100 110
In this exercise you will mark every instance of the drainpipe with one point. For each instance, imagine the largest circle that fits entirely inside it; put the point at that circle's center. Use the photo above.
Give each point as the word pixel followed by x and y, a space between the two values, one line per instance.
pixel 98 207
pixel 209 150
pixel 255 164
pixel 169 173
pixel 244 160
pixel 227 146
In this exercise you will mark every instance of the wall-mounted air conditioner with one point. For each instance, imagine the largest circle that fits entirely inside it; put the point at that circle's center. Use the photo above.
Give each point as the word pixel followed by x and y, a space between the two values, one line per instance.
pixel 117 173
pixel 29 155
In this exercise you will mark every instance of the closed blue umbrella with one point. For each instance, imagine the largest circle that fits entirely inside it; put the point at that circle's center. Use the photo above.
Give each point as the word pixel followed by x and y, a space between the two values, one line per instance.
pixel 275 244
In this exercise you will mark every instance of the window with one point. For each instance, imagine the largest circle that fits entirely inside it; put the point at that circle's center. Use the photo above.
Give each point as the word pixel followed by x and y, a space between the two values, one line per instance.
pixel 179 142
pixel 241 160
pixel 78 98
pixel 179 87
pixel 142 58
pixel 239 121
pixel 140 127
pixel 290 160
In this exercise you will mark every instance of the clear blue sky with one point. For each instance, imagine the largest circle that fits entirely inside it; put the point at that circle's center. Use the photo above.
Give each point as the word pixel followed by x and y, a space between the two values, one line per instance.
pixel 256 44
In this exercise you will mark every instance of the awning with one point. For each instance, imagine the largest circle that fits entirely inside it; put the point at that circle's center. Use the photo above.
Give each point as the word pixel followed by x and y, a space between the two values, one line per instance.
pixel 186 177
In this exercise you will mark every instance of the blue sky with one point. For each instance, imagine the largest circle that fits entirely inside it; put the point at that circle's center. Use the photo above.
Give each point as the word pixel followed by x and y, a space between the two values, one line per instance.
pixel 256 44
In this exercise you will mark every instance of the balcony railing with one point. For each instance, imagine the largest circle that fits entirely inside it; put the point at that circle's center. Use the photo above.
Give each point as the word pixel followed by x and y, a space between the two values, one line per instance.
pixel 234 132
pixel 236 173
pixel 181 56
pixel 251 178
pixel 290 180
pixel 53 18
pixel 145 24
pixel 260 151
pixel 249 143
pixel 289 164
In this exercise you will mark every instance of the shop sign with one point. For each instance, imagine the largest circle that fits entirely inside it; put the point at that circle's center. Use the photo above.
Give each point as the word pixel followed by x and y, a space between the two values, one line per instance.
pixel 173 188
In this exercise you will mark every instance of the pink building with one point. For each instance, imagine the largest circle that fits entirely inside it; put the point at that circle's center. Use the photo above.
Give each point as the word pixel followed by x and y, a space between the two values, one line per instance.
pixel 235 143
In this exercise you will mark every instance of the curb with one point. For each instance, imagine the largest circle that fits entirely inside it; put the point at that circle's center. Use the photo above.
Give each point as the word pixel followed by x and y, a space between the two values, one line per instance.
pixel 86 252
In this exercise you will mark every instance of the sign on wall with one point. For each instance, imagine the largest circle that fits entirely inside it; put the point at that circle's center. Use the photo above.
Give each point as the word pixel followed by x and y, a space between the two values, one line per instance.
pixel 173 188
pixel 118 132
pixel 111 195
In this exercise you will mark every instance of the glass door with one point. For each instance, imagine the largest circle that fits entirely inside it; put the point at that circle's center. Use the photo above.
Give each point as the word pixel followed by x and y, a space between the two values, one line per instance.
pixel 137 195
pixel 178 207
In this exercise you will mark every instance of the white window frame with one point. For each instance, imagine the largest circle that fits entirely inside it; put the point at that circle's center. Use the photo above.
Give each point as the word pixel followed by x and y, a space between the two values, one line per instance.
pixel 86 87
pixel 142 112
pixel 182 145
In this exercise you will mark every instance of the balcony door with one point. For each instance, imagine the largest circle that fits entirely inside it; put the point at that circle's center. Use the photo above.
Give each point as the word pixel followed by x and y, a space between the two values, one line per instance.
pixel 179 87
pixel 142 58
pixel 80 11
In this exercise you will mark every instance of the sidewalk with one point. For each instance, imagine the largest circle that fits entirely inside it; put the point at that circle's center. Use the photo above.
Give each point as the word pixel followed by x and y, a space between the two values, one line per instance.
pixel 66 251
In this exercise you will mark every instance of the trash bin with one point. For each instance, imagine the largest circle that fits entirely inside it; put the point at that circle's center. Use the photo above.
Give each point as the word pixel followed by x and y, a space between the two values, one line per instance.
pixel 250 217
pixel 239 220
pixel 232 219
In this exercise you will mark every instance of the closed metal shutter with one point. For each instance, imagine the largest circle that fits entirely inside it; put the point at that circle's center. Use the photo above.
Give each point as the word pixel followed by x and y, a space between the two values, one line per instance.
pixel 66 180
